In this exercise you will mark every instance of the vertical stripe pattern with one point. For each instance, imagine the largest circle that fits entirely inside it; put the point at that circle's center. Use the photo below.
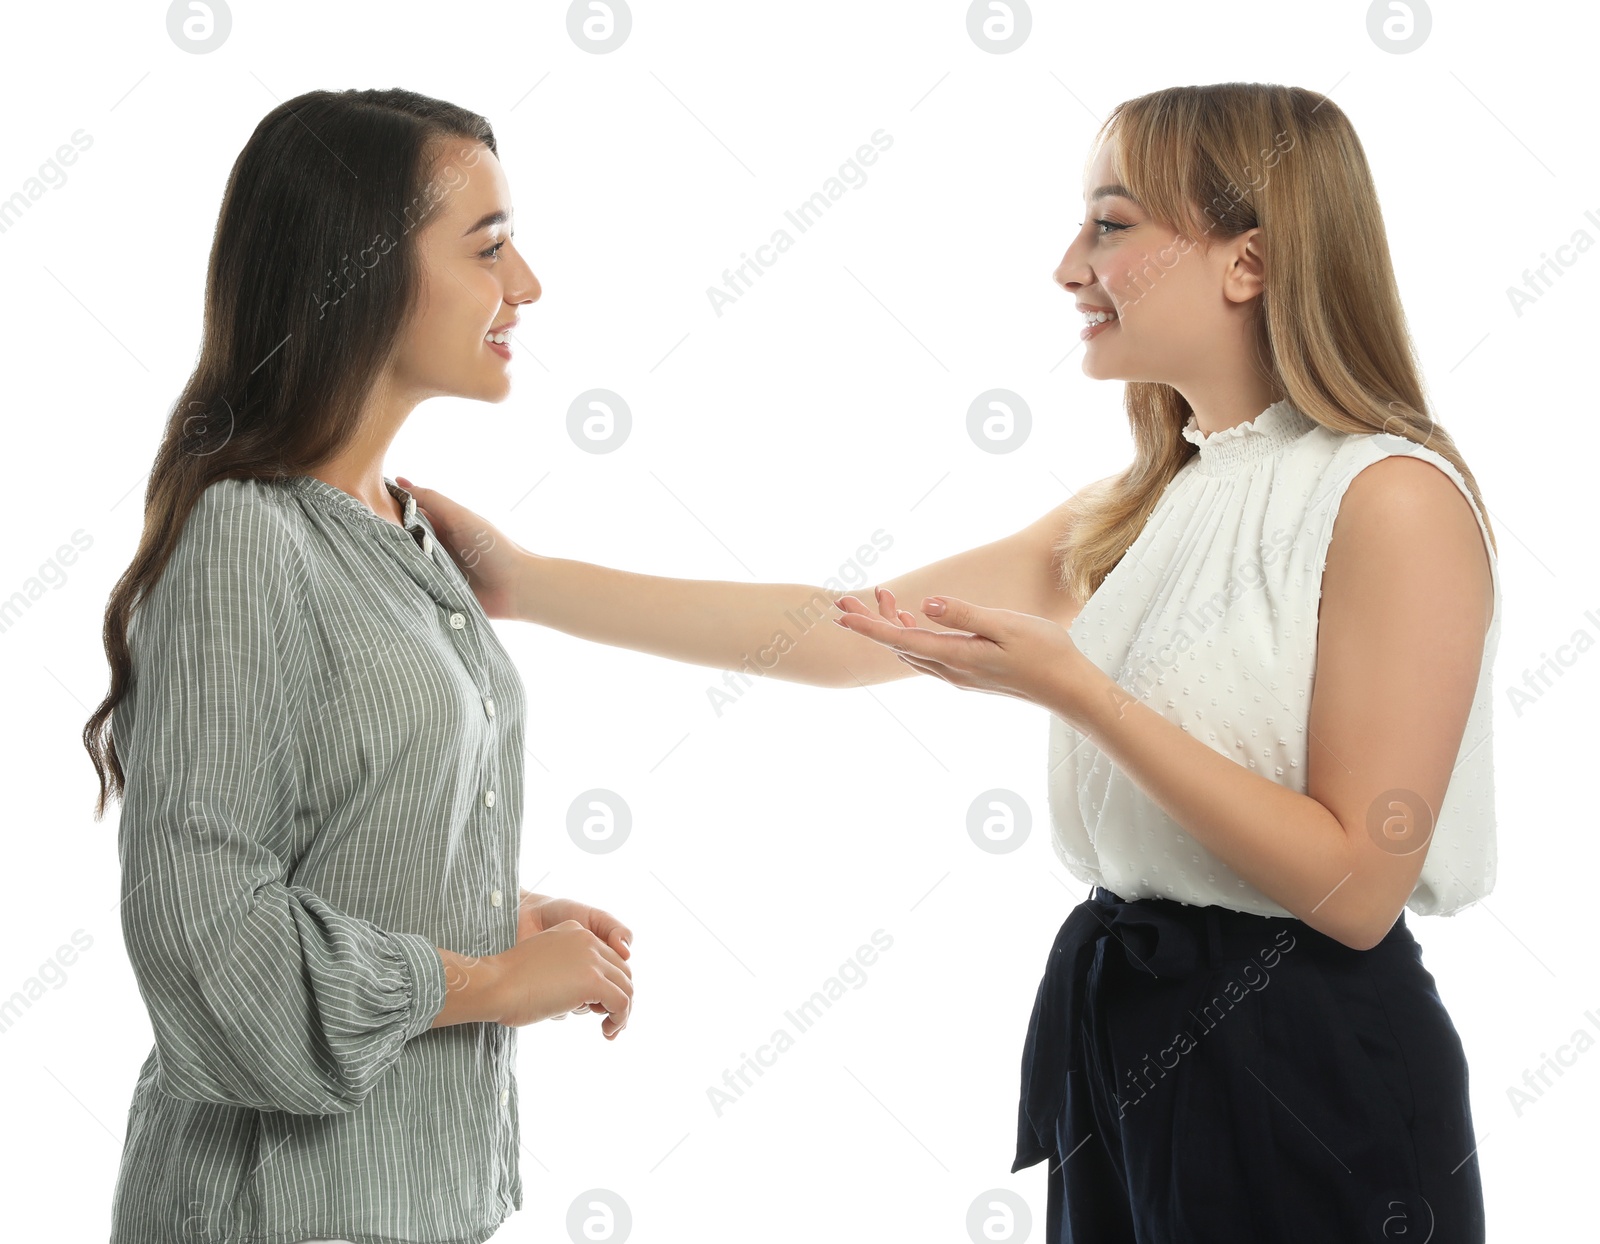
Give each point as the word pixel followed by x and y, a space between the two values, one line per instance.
pixel 323 744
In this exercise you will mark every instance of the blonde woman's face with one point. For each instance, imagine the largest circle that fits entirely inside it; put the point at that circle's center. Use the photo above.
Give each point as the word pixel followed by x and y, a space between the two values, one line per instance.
pixel 474 279
pixel 1175 306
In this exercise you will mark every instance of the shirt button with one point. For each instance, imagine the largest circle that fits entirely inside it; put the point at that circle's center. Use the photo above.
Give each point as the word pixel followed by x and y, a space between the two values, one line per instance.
pixel 488 706
pixel 458 620
pixel 494 898
pixel 488 798
pixel 427 543
pixel 505 1096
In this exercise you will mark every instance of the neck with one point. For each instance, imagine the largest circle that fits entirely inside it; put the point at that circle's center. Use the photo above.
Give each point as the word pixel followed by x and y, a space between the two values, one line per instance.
pixel 358 467
pixel 1216 408
pixel 361 475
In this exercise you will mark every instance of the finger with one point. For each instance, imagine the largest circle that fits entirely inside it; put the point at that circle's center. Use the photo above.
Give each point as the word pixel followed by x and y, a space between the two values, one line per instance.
pixel 611 931
pixel 927 667
pixel 950 647
pixel 619 977
pixel 871 624
pixel 428 498
pixel 886 607
pixel 618 1001
pixel 851 604
pixel 611 956
pixel 992 624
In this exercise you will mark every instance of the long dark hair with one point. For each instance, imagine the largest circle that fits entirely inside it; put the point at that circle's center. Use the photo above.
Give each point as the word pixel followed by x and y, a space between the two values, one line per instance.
pixel 314 275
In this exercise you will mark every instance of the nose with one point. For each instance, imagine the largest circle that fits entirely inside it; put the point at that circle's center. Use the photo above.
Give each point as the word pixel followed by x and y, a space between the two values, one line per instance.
pixel 1072 273
pixel 521 285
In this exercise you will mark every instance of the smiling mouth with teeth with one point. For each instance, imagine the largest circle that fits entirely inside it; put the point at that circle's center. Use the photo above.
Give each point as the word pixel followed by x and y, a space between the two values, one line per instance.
pixel 499 339
pixel 1098 317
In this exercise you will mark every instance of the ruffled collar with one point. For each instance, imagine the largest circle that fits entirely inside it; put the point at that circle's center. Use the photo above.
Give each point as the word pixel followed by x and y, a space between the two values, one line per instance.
pixel 1254 440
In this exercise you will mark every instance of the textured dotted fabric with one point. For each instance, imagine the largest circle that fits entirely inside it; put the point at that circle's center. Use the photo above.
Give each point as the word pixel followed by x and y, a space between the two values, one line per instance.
pixel 1211 619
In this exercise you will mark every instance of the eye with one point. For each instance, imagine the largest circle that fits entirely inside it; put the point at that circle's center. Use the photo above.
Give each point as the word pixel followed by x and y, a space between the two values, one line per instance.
pixel 1109 224
pixel 490 253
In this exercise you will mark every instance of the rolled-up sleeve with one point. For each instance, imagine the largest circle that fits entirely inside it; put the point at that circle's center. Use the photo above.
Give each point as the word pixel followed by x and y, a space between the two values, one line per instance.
pixel 260 993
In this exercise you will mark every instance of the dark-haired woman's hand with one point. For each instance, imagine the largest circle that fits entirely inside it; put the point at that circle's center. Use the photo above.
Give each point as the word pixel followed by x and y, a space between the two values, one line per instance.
pixel 562 969
pixel 538 912
pixel 492 562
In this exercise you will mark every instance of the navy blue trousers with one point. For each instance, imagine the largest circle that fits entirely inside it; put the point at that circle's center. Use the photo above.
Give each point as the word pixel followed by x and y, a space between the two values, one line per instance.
pixel 1197 1074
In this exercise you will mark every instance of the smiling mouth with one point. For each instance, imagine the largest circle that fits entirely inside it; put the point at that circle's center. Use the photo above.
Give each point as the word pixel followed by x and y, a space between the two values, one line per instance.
pixel 1096 327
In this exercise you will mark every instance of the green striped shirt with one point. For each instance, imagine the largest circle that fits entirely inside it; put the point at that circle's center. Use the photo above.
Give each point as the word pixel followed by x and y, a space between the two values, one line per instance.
pixel 323 747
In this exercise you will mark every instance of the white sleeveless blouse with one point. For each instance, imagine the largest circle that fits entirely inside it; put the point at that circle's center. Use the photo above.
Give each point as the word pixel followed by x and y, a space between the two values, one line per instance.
pixel 1211 619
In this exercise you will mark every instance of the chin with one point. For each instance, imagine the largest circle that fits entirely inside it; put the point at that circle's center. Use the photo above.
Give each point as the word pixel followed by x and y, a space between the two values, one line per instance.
pixel 497 392
pixel 487 385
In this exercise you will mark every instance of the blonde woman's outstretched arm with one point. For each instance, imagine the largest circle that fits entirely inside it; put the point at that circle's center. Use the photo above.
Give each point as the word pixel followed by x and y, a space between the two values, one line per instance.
pixel 785 630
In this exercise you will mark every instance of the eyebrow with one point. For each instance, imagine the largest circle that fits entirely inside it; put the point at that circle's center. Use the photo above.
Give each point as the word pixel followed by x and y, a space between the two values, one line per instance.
pixel 496 217
pixel 1120 192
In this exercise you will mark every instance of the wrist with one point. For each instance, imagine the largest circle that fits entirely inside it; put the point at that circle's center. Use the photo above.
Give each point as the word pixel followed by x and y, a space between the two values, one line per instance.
pixel 472 989
pixel 1071 684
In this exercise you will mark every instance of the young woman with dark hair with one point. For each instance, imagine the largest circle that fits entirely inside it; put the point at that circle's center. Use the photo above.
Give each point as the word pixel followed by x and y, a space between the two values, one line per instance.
pixel 315 732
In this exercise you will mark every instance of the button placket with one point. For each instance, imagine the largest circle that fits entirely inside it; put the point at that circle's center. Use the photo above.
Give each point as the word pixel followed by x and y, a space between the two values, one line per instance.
pixel 475 651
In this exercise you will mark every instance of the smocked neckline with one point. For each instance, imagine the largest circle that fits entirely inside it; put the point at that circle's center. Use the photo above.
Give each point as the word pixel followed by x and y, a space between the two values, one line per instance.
pixel 337 499
pixel 1254 440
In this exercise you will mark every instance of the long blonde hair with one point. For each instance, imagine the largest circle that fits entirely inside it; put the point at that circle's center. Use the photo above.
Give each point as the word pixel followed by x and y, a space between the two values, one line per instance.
pixel 1333 336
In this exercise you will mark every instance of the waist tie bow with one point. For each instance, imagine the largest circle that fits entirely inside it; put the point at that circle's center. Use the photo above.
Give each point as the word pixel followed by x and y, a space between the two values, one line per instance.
pixel 1155 939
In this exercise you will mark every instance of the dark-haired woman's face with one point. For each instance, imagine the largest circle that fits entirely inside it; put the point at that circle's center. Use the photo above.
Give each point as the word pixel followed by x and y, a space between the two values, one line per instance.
pixel 1180 313
pixel 474 281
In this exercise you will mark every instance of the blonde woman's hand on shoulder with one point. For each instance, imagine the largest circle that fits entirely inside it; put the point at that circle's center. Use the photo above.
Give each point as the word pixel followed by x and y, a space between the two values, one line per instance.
pixel 493 563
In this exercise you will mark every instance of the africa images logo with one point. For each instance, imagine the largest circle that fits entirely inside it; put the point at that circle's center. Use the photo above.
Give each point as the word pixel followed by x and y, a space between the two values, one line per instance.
pixel 1141 1077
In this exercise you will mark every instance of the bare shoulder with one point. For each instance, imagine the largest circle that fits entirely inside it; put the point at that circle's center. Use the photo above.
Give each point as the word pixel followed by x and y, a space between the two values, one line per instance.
pixel 1404 526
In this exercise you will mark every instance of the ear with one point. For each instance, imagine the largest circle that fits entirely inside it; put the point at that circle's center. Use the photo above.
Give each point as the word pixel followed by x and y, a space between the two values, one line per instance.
pixel 1246 274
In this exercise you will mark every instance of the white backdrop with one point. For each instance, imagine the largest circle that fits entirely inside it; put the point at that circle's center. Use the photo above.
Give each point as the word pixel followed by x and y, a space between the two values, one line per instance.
pixel 770 442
